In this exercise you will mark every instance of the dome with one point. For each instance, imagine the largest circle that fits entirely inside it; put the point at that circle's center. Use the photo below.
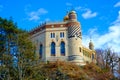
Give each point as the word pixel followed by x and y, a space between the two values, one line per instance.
pixel 66 18
pixel 72 12
pixel 91 45
pixel 72 15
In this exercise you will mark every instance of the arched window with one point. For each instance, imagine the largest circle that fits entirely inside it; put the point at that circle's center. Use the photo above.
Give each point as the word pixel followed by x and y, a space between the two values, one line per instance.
pixel 62 48
pixel 41 50
pixel 52 49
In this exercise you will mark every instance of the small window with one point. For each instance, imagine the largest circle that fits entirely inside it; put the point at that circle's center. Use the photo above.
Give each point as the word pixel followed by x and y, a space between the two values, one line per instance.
pixel 52 35
pixel 61 34
pixel 80 49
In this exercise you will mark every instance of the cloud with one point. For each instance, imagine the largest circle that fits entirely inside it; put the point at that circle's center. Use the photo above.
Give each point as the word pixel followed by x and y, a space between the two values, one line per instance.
pixel 1 7
pixel 78 8
pixel 35 15
pixel 89 14
pixel 91 31
pixel 110 39
pixel 117 22
pixel 117 4
pixel 69 4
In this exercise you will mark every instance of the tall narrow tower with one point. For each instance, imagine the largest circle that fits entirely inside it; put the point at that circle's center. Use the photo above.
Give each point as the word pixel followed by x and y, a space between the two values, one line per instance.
pixel 74 39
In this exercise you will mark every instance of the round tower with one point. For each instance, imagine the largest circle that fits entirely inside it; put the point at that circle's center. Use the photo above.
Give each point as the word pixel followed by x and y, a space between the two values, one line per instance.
pixel 74 39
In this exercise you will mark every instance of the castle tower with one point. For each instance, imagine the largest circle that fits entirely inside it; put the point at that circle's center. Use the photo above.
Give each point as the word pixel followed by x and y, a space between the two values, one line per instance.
pixel 74 39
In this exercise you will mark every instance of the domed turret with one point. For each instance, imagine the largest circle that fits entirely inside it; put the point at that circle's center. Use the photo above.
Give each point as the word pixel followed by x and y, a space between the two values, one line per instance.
pixel 72 16
pixel 91 45
pixel 66 18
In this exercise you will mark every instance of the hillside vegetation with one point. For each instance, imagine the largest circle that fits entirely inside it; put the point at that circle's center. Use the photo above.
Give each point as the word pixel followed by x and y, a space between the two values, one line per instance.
pixel 60 70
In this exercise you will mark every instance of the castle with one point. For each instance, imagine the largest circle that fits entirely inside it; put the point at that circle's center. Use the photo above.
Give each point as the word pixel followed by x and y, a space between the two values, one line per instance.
pixel 62 41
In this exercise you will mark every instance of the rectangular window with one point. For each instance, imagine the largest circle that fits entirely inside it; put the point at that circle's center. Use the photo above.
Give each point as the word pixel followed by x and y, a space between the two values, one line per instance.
pixel 80 49
pixel 52 35
pixel 61 34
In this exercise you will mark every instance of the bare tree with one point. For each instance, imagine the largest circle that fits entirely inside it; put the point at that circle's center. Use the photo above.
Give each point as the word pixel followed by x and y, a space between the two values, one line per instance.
pixel 100 58
pixel 107 59
pixel 118 67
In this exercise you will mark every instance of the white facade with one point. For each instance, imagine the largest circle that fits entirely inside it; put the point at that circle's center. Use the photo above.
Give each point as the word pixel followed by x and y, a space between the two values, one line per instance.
pixel 61 40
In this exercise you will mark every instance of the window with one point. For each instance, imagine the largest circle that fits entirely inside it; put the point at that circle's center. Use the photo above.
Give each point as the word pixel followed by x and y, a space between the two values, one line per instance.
pixel 80 49
pixel 62 48
pixel 41 51
pixel 92 56
pixel 61 34
pixel 52 35
pixel 53 49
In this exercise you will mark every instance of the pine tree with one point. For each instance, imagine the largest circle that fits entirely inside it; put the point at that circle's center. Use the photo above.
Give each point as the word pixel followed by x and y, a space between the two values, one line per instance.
pixel 16 51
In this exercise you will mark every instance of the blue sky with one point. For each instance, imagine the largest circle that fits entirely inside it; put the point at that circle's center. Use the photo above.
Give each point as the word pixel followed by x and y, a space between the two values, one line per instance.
pixel 100 19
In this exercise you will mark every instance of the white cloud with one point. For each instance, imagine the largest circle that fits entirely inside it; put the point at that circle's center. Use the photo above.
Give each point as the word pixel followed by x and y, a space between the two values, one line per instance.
pixel 117 22
pixel 78 8
pixel 91 31
pixel 35 15
pixel 117 4
pixel 69 4
pixel 110 39
pixel 89 14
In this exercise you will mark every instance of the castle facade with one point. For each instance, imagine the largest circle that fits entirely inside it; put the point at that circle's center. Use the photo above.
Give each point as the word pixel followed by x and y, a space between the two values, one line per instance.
pixel 62 41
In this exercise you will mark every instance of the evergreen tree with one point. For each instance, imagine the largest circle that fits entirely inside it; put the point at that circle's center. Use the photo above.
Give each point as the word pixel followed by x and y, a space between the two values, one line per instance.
pixel 16 51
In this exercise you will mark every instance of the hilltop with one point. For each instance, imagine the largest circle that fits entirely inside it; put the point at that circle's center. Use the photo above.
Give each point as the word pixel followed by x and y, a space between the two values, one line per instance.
pixel 60 70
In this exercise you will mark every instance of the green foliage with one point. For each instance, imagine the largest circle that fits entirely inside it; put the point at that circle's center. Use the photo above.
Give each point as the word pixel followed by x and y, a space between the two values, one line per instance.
pixel 16 51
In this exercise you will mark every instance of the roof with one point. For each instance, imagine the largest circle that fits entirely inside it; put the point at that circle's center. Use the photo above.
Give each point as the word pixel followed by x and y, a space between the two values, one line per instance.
pixel 47 25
